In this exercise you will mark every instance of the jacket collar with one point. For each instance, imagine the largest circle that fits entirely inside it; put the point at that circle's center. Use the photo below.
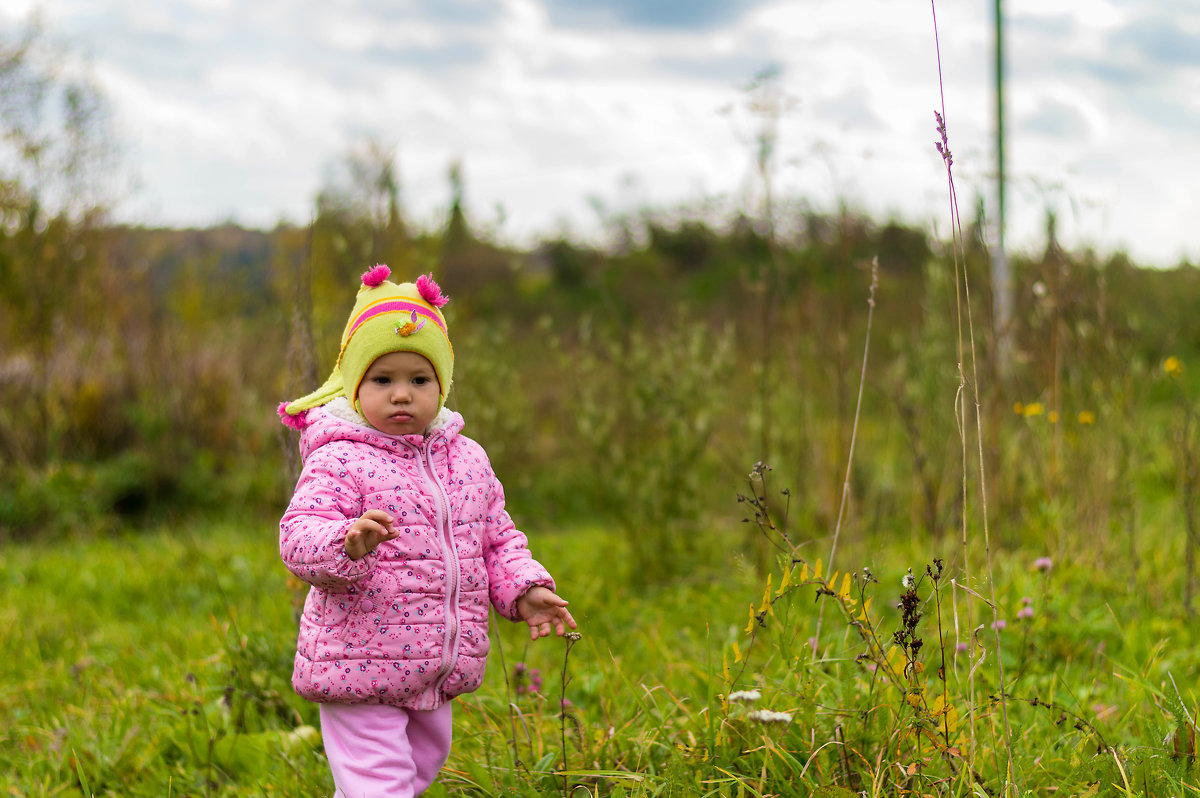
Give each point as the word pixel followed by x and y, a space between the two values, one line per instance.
pixel 338 420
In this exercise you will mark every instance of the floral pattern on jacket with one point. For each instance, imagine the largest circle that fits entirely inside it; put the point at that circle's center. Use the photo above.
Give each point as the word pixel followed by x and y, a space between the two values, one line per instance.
pixel 406 624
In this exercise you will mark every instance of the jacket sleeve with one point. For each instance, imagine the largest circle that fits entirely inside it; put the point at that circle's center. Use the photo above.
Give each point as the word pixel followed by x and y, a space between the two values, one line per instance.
pixel 312 533
pixel 510 566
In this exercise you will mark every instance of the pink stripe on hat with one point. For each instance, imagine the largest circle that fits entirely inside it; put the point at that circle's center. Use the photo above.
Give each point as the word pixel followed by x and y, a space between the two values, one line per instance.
pixel 396 306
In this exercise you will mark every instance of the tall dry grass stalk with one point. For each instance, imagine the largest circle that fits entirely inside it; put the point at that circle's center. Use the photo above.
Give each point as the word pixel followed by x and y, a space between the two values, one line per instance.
pixel 970 389
pixel 862 379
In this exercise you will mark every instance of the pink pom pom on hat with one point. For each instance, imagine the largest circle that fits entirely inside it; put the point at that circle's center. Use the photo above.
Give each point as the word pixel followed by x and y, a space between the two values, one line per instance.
pixel 298 421
pixel 430 291
pixel 373 278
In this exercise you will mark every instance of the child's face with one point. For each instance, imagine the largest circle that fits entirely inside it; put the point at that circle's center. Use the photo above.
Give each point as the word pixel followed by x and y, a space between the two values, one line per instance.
pixel 399 393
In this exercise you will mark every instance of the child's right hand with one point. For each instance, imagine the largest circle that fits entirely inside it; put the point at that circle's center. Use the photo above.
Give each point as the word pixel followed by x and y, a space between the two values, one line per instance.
pixel 368 531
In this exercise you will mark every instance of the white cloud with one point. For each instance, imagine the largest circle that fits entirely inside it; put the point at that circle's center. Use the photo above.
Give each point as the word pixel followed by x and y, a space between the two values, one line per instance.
pixel 236 108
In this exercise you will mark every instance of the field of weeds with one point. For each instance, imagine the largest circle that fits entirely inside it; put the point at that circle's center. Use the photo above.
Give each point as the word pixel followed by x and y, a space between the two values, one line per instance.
pixel 830 525
pixel 159 664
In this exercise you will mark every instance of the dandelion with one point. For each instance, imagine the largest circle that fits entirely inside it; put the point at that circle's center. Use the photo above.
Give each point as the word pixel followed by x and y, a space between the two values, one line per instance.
pixel 1087 418
pixel 1173 366
pixel 999 624
pixel 745 695
pixel 1043 564
pixel 1033 409
pixel 768 716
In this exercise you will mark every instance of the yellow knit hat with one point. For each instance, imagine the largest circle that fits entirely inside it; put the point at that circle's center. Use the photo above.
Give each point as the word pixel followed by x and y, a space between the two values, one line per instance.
pixel 387 317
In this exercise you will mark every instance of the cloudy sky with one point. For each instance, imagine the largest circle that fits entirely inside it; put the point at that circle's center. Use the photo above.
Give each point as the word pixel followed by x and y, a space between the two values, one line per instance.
pixel 566 112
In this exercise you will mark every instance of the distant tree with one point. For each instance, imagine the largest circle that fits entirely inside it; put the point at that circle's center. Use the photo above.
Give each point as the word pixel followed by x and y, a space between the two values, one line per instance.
pixel 903 250
pixel 365 187
pixel 458 232
pixel 56 157
pixel 471 269
pixel 358 223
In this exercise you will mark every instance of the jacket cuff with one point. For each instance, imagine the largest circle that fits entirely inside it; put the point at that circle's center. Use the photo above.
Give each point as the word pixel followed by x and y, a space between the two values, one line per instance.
pixel 353 570
pixel 507 597
pixel 336 570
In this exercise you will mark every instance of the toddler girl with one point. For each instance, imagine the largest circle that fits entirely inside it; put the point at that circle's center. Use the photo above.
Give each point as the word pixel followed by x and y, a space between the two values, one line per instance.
pixel 398 524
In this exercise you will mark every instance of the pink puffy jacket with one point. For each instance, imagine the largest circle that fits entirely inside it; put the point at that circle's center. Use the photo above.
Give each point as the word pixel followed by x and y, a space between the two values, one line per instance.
pixel 407 624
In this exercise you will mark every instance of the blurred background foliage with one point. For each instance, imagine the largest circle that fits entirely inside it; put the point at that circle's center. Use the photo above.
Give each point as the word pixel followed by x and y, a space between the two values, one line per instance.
pixel 630 384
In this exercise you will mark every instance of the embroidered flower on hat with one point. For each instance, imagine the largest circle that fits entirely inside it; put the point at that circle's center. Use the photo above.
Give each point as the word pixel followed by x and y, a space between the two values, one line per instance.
pixel 409 327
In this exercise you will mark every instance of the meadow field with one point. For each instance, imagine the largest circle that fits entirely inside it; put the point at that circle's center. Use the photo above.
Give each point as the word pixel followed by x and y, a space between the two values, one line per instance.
pixel 158 663
pixel 828 528
pixel 831 525
pixel 837 552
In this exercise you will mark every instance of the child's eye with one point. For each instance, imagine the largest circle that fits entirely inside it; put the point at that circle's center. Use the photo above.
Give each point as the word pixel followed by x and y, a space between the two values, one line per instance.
pixel 380 380
pixel 421 380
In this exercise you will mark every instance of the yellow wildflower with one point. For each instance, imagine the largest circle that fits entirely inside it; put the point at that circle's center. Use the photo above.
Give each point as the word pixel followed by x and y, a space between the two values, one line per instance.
pixel 1087 417
pixel 1018 408
pixel 1033 409
pixel 1052 416
pixel 1173 366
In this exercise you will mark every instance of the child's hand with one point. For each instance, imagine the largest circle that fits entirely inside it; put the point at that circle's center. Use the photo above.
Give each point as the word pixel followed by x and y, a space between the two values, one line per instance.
pixel 542 608
pixel 368 531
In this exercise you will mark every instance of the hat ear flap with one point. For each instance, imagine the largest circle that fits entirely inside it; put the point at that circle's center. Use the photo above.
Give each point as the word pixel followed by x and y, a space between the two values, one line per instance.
pixel 294 413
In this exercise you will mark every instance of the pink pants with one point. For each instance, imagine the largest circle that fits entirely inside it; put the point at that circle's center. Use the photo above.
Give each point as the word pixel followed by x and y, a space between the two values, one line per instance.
pixel 380 751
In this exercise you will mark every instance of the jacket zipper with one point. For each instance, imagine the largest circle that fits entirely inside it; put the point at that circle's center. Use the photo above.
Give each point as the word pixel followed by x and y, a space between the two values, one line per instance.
pixel 450 639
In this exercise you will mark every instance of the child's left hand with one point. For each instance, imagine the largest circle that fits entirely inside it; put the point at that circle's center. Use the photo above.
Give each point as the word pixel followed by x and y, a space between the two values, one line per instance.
pixel 542 609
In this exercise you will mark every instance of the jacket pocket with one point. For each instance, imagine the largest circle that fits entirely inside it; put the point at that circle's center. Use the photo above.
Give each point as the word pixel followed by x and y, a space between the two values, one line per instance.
pixel 362 622
pixel 368 614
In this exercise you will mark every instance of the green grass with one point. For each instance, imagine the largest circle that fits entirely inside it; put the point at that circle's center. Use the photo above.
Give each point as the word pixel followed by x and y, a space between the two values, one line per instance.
pixel 159 664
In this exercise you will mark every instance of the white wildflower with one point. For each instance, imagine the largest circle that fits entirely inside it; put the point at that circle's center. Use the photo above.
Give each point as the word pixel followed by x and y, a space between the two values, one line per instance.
pixel 768 716
pixel 745 695
pixel 909 581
